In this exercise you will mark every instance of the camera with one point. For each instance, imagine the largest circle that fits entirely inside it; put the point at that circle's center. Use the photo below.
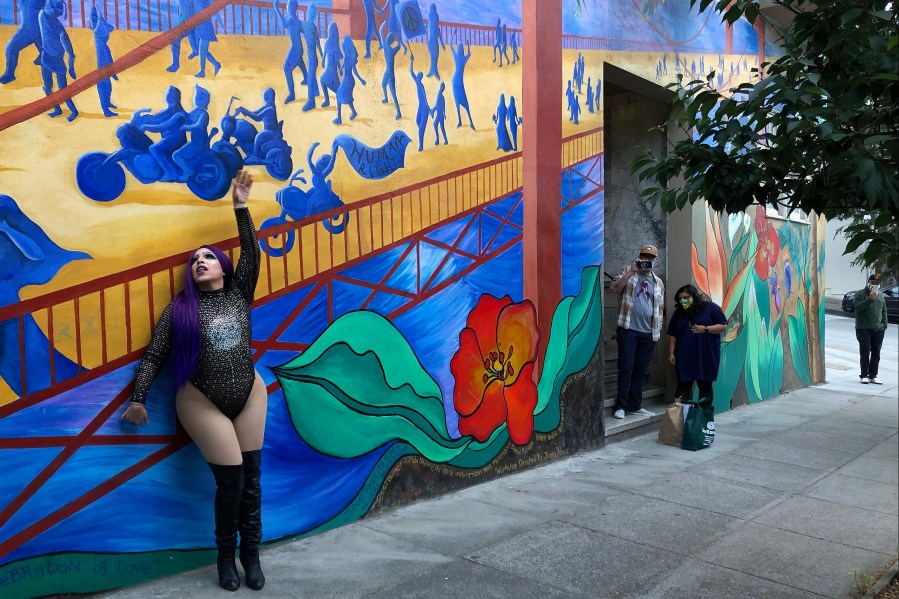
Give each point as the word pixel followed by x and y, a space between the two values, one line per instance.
pixel 644 264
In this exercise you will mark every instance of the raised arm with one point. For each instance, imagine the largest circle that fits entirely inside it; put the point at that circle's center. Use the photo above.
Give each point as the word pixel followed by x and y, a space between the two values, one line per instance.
pixel 246 273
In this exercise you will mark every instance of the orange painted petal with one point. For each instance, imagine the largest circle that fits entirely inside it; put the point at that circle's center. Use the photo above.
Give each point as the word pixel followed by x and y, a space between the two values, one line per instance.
pixel 488 417
pixel 521 400
pixel 737 285
pixel 517 328
pixel 699 273
pixel 467 367
pixel 774 251
pixel 483 320
pixel 714 262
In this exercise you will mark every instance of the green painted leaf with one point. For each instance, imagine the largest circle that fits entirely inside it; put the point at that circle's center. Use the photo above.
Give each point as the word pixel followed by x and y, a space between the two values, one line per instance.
pixel 575 334
pixel 799 344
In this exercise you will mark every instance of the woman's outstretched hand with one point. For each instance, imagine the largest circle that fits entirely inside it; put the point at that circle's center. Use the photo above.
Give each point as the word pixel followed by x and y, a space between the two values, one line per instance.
pixel 240 190
pixel 136 414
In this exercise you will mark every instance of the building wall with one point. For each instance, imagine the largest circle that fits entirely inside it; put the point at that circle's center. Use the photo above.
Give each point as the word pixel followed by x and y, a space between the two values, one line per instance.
pixel 394 277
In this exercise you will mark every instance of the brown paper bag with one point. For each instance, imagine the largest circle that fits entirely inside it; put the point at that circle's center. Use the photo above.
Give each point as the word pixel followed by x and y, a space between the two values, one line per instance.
pixel 672 429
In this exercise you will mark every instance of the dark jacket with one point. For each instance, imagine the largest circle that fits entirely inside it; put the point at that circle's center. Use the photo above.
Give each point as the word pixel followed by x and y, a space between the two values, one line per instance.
pixel 870 314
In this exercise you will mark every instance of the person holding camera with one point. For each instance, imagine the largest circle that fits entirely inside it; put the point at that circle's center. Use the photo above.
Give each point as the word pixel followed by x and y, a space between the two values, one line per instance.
pixel 639 328
pixel 870 328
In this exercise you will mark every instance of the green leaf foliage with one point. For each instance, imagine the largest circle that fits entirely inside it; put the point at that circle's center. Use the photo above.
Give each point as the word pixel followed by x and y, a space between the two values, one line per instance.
pixel 816 130
pixel 799 344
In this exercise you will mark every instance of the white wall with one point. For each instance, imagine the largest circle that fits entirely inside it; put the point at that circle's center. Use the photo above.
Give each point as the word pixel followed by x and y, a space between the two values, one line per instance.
pixel 839 275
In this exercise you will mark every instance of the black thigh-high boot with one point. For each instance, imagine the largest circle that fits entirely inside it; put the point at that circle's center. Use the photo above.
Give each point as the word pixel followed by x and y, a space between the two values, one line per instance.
pixel 251 520
pixel 228 493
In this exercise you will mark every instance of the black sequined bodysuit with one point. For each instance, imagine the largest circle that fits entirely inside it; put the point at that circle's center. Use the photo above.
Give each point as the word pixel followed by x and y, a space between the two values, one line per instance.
pixel 225 372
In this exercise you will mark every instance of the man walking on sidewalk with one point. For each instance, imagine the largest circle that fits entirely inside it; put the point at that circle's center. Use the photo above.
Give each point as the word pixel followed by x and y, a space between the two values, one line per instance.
pixel 639 328
pixel 870 327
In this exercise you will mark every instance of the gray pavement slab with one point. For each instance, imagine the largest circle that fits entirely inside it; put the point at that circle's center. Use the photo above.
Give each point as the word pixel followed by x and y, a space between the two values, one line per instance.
pixel 870 468
pixel 579 561
pixel 348 562
pixel 669 526
pixel 849 490
pixel 712 494
pixel 888 450
pixel 808 563
pixel 790 453
pixel 835 522
pixel 453 525
pixel 699 580
pixel 841 424
pixel 464 578
pixel 809 437
pixel 767 474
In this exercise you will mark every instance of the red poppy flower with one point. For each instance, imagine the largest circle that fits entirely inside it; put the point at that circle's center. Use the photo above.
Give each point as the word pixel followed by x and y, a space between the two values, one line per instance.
pixel 768 247
pixel 494 369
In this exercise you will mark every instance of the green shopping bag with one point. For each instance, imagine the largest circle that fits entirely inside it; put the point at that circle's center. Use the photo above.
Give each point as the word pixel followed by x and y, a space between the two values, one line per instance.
pixel 699 427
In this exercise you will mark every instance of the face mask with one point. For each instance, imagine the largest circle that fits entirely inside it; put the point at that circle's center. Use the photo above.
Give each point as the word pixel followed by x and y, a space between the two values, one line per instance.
pixel 686 302
pixel 873 287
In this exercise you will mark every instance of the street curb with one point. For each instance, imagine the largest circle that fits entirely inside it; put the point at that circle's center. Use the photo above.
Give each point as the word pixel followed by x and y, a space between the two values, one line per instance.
pixel 883 582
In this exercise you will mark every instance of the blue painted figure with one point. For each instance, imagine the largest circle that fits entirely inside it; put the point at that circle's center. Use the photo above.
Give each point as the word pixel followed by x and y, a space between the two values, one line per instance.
pixel 168 123
pixel 497 38
pixel 196 123
pixel 267 114
pixel 185 11
pixel 371 30
pixel 101 30
pixel 391 49
pixel 314 48
pixel 515 56
pixel 435 40
pixel 582 69
pixel 424 110
pixel 331 55
pixel 28 257
pixel 461 58
pixel 502 131
pixel 514 122
pixel 576 110
pixel 28 34
pixel 205 35
pixel 55 43
pixel 348 83
pixel 788 276
pixel 598 94
pixel 503 46
pixel 590 106
pixel 294 28
pixel 321 196
pixel 775 291
pixel 438 113
pixel 393 22
pixel 569 99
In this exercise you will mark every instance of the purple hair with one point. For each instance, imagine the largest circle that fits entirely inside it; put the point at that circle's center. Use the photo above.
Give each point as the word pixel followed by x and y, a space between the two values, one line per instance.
pixel 186 333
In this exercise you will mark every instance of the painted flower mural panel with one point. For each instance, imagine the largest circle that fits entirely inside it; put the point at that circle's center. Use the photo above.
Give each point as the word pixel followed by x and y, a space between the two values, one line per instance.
pixel 494 369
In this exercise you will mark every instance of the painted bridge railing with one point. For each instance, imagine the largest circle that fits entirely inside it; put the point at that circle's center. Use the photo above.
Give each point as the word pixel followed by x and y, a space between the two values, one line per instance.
pixel 104 324
pixel 255 17
pixel 241 17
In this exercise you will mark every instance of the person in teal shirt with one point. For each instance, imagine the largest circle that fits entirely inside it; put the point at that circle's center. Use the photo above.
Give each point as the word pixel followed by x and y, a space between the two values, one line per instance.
pixel 870 327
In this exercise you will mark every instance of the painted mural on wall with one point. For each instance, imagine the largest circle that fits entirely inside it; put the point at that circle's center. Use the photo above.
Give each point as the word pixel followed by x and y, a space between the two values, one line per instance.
pixel 766 273
pixel 385 139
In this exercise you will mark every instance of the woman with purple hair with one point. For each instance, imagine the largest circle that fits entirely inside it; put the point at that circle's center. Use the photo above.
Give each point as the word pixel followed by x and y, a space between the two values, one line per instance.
pixel 220 399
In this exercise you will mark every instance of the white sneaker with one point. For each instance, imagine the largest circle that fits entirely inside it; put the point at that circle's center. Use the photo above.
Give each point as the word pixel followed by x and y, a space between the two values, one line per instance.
pixel 865 380
pixel 875 381
pixel 619 414
pixel 643 412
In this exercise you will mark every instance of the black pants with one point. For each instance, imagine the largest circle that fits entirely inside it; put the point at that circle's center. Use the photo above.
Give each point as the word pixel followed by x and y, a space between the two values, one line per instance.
pixel 685 390
pixel 635 350
pixel 869 343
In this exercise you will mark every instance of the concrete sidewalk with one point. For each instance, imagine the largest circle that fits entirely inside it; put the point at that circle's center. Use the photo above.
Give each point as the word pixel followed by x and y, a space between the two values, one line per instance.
pixel 795 494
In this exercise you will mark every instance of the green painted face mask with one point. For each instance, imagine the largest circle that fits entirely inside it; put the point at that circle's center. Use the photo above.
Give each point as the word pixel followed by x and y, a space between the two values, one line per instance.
pixel 686 302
